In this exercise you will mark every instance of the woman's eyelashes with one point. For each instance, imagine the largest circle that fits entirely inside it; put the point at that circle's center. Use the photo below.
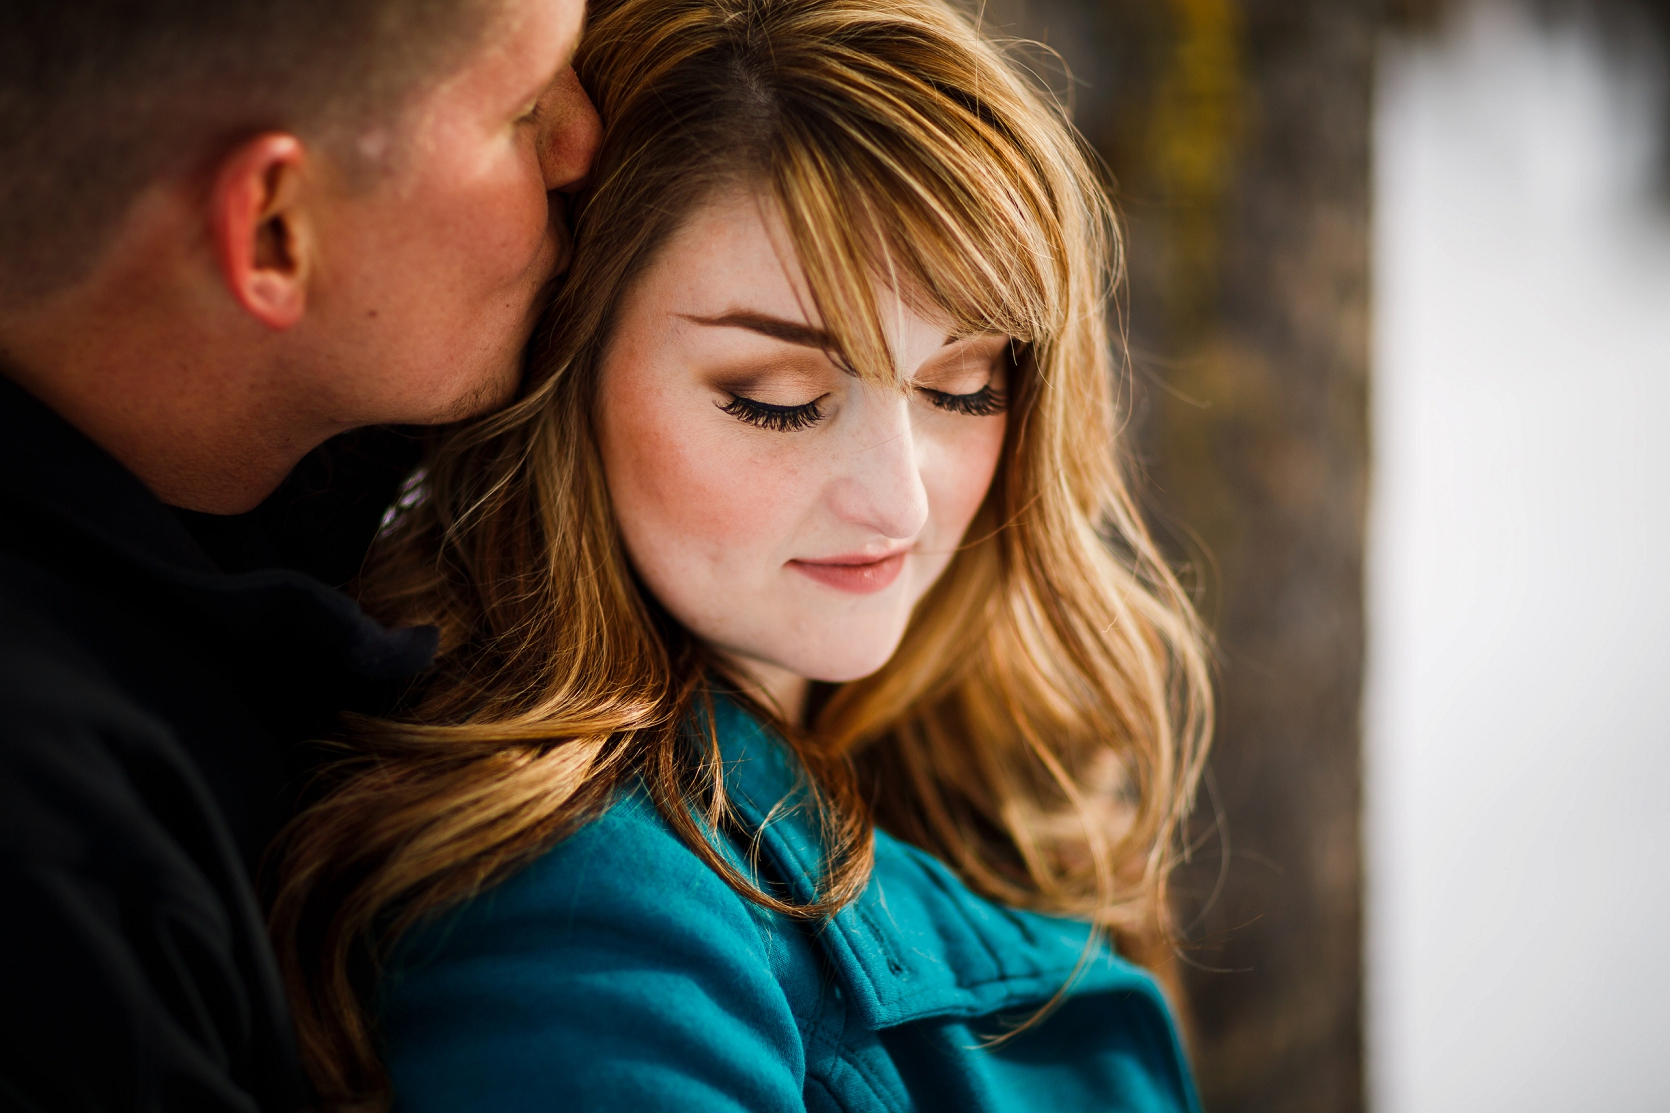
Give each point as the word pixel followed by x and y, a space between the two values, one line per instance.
pixel 781 419
pixel 986 401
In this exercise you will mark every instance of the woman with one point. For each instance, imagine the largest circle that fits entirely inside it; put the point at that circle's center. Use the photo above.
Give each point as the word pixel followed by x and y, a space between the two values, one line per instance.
pixel 812 705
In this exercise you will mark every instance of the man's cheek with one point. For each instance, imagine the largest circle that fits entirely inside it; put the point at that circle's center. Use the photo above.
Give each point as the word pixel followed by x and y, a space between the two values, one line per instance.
pixel 498 229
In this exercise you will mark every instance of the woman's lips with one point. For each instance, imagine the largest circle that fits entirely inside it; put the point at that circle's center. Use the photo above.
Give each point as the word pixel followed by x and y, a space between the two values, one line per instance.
pixel 858 576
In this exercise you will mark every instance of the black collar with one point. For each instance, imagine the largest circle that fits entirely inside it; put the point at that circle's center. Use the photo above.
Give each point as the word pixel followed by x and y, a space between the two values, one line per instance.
pixel 53 479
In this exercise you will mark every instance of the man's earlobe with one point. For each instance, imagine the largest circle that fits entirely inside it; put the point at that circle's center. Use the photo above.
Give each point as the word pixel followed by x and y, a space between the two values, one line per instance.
pixel 262 237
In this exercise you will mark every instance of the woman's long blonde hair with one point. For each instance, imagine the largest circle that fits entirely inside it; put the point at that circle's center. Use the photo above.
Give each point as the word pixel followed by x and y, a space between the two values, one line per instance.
pixel 1042 725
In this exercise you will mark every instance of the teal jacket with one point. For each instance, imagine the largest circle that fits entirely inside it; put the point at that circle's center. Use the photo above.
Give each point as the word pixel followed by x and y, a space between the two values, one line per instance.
pixel 618 972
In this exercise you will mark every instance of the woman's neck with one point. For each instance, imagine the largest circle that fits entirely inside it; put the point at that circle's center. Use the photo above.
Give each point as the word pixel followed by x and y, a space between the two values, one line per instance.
pixel 772 685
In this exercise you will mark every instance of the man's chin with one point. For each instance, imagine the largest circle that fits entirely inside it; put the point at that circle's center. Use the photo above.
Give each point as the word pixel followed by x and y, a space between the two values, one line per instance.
pixel 498 389
pixel 491 394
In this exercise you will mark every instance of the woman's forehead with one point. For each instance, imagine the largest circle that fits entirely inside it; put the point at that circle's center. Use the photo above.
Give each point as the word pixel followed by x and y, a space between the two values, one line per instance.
pixel 732 264
pixel 731 253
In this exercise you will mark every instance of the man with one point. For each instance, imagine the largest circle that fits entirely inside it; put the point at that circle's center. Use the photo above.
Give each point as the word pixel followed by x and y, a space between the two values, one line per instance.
pixel 230 230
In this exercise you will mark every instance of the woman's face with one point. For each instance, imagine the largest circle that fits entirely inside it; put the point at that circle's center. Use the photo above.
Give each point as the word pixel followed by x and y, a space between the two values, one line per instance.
pixel 784 511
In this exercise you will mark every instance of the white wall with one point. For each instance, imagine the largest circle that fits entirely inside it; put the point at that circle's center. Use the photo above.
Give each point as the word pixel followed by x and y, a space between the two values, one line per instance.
pixel 1519 681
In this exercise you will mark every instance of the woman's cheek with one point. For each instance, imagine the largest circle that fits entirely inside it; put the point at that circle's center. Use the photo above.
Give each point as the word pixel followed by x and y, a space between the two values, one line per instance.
pixel 720 492
pixel 964 463
pixel 711 502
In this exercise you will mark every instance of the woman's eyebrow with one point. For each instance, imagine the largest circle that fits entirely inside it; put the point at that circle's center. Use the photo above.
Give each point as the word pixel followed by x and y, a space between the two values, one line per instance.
pixel 790 332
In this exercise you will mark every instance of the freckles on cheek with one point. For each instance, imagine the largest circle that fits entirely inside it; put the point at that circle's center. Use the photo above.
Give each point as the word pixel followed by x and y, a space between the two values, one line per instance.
pixel 704 499
pixel 962 476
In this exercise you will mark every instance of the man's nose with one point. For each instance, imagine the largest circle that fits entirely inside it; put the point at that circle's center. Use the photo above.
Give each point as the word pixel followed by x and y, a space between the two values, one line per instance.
pixel 572 135
pixel 881 488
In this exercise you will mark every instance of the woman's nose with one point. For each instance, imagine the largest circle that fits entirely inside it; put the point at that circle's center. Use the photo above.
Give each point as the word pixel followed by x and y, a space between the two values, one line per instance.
pixel 880 486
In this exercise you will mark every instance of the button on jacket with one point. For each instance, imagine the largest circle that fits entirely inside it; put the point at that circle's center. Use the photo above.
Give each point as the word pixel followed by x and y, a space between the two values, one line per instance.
pixel 152 697
pixel 619 972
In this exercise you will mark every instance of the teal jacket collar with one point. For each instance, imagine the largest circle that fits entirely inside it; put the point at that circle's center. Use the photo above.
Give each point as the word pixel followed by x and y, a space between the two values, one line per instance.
pixel 917 943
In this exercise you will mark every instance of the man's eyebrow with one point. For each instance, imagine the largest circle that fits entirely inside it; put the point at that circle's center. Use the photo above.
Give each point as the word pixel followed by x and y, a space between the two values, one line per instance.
pixel 790 332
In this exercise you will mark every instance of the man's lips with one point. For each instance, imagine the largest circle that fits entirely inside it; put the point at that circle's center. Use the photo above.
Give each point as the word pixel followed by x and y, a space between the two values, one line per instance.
pixel 858 575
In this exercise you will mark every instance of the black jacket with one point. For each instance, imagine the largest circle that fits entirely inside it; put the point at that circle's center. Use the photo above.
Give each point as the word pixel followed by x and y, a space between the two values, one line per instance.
pixel 158 672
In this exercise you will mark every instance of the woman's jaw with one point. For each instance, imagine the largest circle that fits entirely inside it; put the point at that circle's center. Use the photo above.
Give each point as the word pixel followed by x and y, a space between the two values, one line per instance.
pixel 845 642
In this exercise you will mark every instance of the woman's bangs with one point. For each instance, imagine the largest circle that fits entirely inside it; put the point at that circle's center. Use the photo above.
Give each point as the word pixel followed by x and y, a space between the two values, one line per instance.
pixel 969 252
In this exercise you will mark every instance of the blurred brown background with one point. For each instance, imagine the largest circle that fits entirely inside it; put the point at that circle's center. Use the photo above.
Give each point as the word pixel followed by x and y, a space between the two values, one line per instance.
pixel 1239 133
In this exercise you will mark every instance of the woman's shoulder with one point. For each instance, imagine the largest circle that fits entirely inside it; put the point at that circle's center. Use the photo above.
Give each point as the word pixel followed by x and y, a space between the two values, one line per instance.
pixel 626 870
pixel 616 940
pixel 620 970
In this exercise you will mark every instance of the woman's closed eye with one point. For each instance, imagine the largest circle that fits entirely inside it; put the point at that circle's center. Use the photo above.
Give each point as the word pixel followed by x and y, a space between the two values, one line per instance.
pixel 766 415
pixel 984 402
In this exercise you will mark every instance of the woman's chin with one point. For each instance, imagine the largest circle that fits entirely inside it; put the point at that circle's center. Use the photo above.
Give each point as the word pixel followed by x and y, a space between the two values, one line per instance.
pixel 840 668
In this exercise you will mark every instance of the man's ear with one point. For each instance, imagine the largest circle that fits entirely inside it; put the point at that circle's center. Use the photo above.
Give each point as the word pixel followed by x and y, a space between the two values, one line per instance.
pixel 262 237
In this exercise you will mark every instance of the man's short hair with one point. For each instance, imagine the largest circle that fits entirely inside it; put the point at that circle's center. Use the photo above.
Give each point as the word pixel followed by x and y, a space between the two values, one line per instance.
pixel 99 98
